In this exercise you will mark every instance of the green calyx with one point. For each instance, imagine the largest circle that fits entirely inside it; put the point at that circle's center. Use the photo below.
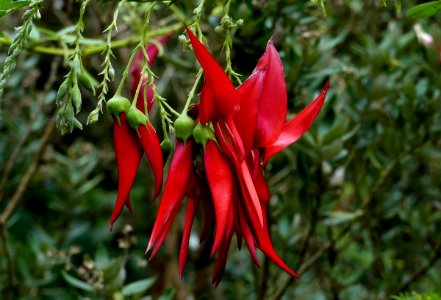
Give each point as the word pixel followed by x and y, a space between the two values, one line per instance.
pixel 135 118
pixel 202 134
pixel 166 145
pixel 117 105
pixel 184 126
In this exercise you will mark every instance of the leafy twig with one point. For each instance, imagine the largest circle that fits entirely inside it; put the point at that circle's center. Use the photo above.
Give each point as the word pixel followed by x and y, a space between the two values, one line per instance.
pixel 19 146
pixel 420 272
pixel 23 31
pixel 108 71
pixel 226 25
pixel 69 89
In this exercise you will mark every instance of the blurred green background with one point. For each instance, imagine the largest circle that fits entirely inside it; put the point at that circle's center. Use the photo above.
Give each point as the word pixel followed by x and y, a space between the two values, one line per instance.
pixel 356 202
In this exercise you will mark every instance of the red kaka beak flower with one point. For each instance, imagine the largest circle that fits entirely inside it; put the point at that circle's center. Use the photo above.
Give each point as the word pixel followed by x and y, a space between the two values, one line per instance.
pixel 249 128
pixel 136 71
pixel 261 119
pixel 256 132
pixel 243 204
pixel 219 101
pixel 129 146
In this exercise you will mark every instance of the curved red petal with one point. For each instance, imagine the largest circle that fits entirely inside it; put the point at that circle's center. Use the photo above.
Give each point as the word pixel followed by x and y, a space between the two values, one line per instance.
pixel 222 256
pixel 220 180
pixel 229 139
pixel 191 208
pixel 161 237
pixel 218 96
pixel 250 93
pixel 264 241
pixel 261 186
pixel 209 214
pixel 249 239
pixel 297 126
pixel 152 148
pixel 249 191
pixel 274 104
pixel 175 187
pixel 128 155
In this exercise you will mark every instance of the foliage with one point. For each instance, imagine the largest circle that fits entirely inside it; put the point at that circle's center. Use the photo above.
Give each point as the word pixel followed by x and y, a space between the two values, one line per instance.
pixel 356 203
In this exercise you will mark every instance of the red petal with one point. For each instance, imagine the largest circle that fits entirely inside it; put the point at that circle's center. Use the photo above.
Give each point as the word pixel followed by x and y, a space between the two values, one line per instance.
pixel 249 239
pixel 264 241
pixel 220 180
pixel 152 148
pixel 128 155
pixel 273 107
pixel 175 187
pixel 161 237
pixel 191 208
pixel 218 96
pixel 209 215
pixel 297 126
pixel 136 69
pixel 249 191
pixel 229 139
pixel 250 93
pixel 222 256
pixel 261 186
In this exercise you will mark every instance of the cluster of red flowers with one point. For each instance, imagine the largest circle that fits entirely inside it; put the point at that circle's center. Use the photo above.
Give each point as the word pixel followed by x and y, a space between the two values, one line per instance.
pixel 222 146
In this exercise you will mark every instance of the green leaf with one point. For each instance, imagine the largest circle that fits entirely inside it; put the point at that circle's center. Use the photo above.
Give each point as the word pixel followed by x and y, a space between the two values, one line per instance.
pixel 75 282
pixel 424 10
pixel 168 294
pixel 340 217
pixel 7 6
pixel 138 287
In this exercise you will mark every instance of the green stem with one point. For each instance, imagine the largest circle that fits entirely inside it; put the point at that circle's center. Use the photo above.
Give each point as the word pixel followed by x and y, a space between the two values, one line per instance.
pixel 126 71
pixel 191 93
pixel 92 50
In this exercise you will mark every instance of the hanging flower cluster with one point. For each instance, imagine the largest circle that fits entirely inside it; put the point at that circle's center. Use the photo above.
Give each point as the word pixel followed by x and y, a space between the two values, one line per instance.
pixel 222 146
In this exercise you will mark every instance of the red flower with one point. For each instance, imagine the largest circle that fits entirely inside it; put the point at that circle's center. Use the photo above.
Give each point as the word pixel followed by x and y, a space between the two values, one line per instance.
pixel 249 128
pixel 128 144
pixel 136 71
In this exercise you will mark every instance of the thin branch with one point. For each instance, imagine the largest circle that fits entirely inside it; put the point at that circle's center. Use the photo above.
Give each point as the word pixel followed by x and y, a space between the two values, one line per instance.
pixel 329 245
pixel 17 196
pixel 19 147
pixel 7 255
pixel 97 49
pixel 420 272
pixel 15 199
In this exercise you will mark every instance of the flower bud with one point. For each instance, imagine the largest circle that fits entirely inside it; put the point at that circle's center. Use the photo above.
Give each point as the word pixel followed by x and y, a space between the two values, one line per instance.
pixel 61 92
pixel 76 98
pixel 184 127
pixel 202 134
pixel 135 118
pixel 111 73
pixel 116 105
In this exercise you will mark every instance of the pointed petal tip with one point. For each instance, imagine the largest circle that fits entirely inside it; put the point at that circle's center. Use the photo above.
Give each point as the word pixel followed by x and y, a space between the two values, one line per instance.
pixel 149 246
pixel 326 85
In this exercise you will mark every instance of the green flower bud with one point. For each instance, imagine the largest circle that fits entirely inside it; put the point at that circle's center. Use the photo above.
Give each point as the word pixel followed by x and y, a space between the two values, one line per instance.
pixel 184 127
pixel 202 134
pixel 116 105
pixel 166 145
pixel 111 73
pixel 61 92
pixel 76 98
pixel 135 118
